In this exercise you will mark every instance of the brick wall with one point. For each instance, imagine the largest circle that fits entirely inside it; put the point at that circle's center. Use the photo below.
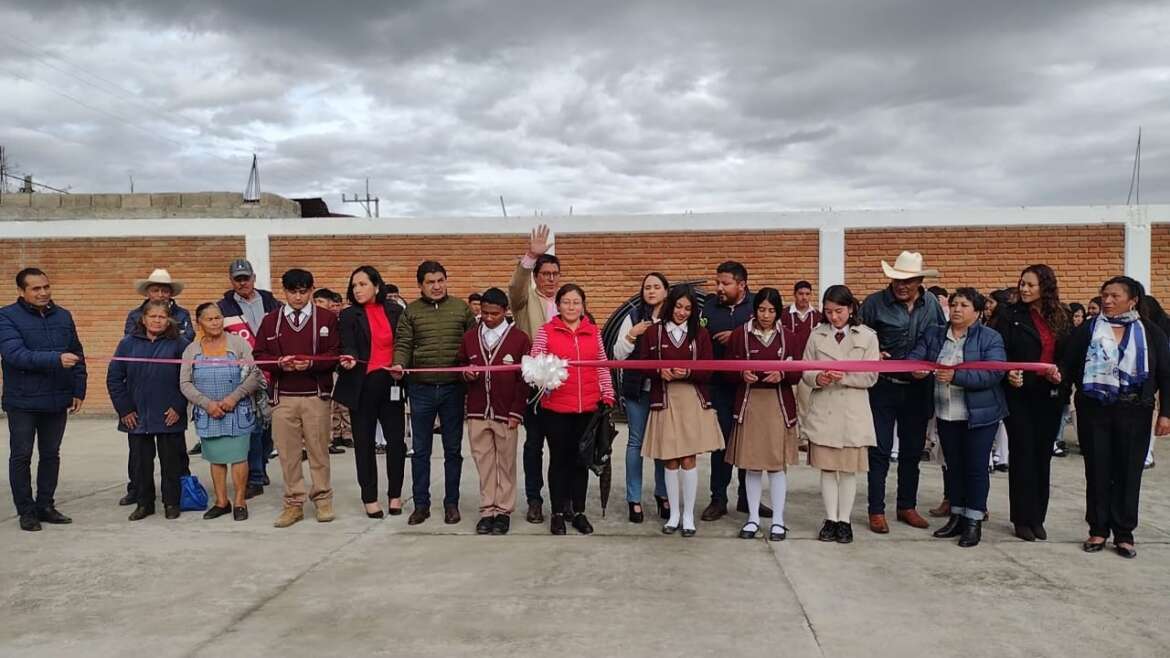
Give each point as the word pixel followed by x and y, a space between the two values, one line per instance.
pixel 1160 263
pixel 992 257
pixel 94 279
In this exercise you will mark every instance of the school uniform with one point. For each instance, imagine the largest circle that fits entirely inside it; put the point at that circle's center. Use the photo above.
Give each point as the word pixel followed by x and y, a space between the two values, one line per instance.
pixel 764 437
pixel 682 422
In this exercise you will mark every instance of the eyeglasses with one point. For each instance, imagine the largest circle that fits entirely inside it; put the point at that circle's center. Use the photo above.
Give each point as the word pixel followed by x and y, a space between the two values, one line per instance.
pixel 549 274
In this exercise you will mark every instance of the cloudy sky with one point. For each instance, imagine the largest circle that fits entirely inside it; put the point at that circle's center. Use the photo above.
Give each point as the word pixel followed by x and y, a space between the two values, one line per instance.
pixel 607 106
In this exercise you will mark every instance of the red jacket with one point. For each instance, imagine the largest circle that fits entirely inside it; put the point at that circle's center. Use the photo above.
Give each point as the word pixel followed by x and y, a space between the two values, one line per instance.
pixel 319 337
pixel 585 387
pixel 744 345
pixel 501 394
pixel 656 345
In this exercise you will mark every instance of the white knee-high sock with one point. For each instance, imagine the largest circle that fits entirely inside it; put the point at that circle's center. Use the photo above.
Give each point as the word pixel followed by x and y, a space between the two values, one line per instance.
pixel 829 487
pixel 846 492
pixel 690 488
pixel 672 495
pixel 778 482
pixel 753 481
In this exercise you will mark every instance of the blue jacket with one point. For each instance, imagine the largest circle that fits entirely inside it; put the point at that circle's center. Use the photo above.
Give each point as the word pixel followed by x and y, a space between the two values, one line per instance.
pixel 986 404
pixel 31 344
pixel 147 388
pixel 179 315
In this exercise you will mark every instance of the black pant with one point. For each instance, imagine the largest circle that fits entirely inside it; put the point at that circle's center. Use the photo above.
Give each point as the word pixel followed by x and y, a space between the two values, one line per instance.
pixel 533 452
pixel 723 400
pixel 568 479
pixel 46 430
pixel 171 449
pixel 967 451
pixel 1114 440
pixel 1032 422
pixel 132 466
pixel 375 406
pixel 907 405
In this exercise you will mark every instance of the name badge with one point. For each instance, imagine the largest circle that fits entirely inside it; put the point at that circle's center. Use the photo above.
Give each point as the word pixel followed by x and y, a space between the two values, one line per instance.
pixel 395 393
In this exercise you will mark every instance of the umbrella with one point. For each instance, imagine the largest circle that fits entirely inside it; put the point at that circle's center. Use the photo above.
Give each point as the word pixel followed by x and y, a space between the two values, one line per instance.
pixel 597 450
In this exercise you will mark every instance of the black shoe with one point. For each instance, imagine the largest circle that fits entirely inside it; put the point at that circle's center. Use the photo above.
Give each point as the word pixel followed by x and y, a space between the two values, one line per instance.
pixel 582 524
pixel 535 511
pixel 266 481
pixel 715 511
pixel 253 490
pixel 1127 553
pixel 687 532
pixel 214 512
pixel 346 443
pixel 1060 449
pixel 828 531
pixel 777 532
pixel 953 528
pixel 380 450
pixel 128 499
pixel 304 455
pixel 29 522
pixel 1090 547
pixel 1040 532
pixel 844 533
pixel 336 450
pixel 272 454
pixel 141 512
pixel 636 516
pixel 925 456
pixel 972 533
pixel 196 450
pixel 663 507
pixel 171 511
pixel 1002 468
pixel 556 524
pixel 742 508
pixel 375 515
pixel 1146 467
pixel 240 513
pixel 749 530
pixel 51 515
pixel 1025 532
pixel 420 514
pixel 502 524
pixel 485 525
pixel 669 529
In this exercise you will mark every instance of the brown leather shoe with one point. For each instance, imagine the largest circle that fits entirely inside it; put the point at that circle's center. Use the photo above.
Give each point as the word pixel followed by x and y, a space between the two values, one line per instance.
pixel 942 511
pixel 877 523
pixel 421 513
pixel 451 514
pixel 715 511
pixel 912 518
pixel 535 512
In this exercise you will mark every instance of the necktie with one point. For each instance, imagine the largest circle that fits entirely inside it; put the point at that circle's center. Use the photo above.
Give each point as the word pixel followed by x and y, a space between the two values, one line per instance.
pixel 840 336
pixel 297 319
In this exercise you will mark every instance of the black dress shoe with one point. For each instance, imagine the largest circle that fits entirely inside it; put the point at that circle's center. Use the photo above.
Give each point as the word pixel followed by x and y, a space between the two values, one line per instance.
pixel 669 529
pixel 141 512
pixel 214 512
pixel 240 513
pixel 393 511
pixel 1127 553
pixel 196 450
pixel 687 532
pixel 828 531
pixel 171 511
pixel 556 524
pixel 304 455
pixel 844 533
pixel 535 512
pixel 582 524
pixel 1025 532
pixel 380 450
pixel 336 450
pixel 502 524
pixel 1040 532
pixel 51 515
pixel 346 443
pixel 253 490
pixel 485 525
pixel 1002 468
pixel 715 511
pixel 636 515
pixel 953 528
pixel 1093 547
pixel 972 533
pixel 128 499
pixel 29 522
pixel 663 505
pixel 749 530
pixel 451 514
pixel 375 515
pixel 777 532
pixel 421 513
pixel 266 481
pixel 742 508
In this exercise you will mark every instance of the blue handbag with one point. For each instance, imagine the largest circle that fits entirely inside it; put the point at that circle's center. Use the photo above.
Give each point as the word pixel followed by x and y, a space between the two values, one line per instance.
pixel 192 495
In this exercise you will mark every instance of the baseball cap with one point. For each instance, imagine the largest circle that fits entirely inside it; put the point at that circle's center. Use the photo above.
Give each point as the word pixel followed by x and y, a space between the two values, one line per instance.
pixel 240 267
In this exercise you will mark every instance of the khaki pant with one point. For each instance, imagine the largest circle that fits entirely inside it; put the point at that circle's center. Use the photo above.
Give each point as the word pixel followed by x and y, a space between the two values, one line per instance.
pixel 342 427
pixel 493 447
pixel 302 422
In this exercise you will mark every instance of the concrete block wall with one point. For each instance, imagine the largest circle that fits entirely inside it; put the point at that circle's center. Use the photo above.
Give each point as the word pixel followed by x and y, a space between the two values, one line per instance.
pixel 143 206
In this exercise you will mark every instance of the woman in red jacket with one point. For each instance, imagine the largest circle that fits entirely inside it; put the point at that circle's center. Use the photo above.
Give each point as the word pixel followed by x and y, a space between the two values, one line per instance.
pixel 682 423
pixel 764 438
pixel 571 335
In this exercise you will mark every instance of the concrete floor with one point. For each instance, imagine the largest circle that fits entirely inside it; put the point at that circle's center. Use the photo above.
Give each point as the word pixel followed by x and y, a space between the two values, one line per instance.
pixel 107 587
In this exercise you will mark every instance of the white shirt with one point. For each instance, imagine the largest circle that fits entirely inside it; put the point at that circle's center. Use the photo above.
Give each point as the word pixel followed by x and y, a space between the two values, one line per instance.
pixel 802 316
pixel 677 333
pixel 295 322
pixel 492 337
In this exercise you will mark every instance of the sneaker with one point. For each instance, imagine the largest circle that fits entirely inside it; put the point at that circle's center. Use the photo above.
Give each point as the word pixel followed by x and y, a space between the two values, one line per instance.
pixel 289 516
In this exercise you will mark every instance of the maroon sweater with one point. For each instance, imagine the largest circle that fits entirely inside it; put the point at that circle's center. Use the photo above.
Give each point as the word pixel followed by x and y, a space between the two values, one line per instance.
pixel 798 332
pixel 501 394
pixel 744 345
pixel 319 337
pixel 656 344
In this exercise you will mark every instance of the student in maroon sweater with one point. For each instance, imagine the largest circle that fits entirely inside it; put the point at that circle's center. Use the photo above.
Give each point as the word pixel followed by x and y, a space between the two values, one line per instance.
pixel 300 392
pixel 495 408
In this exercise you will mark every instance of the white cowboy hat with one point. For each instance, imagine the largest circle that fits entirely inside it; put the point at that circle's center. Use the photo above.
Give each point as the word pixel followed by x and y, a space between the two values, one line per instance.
pixel 908 266
pixel 159 277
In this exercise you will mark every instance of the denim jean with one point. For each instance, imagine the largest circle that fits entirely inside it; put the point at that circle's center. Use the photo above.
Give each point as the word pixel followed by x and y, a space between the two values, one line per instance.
pixel 426 402
pixel 533 453
pixel 967 450
pixel 908 407
pixel 637 415
pixel 259 446
pixel 46 430
pixel 723 399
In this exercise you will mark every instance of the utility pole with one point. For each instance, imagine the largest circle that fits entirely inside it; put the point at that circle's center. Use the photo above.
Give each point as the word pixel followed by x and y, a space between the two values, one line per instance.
pixel 5 170
pixel 252 190
pixel 365 203
pixel 1135 179
pixel 503 208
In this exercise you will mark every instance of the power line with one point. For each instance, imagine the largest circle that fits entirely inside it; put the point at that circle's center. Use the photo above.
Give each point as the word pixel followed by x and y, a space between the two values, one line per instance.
pixel 28 180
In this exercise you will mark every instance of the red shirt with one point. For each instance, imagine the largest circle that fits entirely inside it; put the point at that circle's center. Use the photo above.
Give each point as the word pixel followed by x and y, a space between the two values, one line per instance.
pixel 1047 341
pixel 381 337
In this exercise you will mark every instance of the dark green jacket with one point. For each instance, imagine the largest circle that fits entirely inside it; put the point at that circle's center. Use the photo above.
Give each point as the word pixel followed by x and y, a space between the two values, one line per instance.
pixel 429 335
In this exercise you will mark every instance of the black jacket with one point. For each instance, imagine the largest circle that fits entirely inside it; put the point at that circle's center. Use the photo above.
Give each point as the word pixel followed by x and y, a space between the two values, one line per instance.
pixel 229 306
pixel 1021 341
pixel 354 330
pixel 1157 349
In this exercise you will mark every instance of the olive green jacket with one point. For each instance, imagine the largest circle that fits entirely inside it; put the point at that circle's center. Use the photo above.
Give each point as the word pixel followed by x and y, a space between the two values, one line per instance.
pixel 429 335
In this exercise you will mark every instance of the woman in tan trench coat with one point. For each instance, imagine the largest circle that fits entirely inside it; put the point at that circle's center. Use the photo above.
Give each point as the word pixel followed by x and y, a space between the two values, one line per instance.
pixel 838 424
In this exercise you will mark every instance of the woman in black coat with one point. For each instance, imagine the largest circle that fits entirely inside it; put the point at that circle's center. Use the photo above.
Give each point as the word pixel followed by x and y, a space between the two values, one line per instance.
pixel 368 327
pixel 1120 363
pixel 1034 329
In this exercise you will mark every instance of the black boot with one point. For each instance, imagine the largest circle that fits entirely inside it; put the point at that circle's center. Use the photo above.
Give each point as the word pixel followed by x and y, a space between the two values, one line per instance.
pixel 972 533
pixel 953 528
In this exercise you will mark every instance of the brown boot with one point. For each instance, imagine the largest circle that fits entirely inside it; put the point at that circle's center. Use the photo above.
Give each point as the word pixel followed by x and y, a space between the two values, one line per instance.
pixel 912 518
pixel 715 511
pixel 535 512
pixel 324 511
pixel 289 516
pixel 942 511
pixel 877 523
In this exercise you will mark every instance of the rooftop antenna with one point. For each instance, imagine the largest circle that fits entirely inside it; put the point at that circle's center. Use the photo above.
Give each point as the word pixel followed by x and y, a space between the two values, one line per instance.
pixel 1135 179
pixel 365 203
pixel 252 191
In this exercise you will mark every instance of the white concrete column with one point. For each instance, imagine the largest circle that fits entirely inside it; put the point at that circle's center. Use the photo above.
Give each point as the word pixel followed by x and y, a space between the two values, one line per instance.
pixel 832 255
pixel 1138 243
pixel 256 248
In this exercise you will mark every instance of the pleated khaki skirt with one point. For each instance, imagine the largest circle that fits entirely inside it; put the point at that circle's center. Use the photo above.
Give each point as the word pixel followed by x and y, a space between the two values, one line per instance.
pixel 845 460
pixel 683 428
pixel 762 442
